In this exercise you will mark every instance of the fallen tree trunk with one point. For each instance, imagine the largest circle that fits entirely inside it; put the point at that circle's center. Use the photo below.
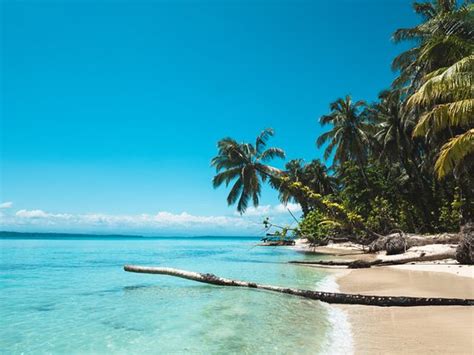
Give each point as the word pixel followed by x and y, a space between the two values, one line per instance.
pixel 414 240
pixel 360 264
pixel 329 297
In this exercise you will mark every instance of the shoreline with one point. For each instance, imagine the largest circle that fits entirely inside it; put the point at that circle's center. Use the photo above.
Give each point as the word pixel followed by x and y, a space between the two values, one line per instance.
pixel 404 330
pixel 340 339
pixel 397 330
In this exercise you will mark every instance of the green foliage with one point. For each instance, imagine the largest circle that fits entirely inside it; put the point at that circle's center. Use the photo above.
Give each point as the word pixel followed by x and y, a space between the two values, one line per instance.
pixel 314 175
pixel 382 217
pixel 316 227
pixel 243 165
pixel 450 215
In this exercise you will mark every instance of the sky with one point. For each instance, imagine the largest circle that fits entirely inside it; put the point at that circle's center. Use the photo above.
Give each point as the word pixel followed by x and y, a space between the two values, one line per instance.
pixel 111 110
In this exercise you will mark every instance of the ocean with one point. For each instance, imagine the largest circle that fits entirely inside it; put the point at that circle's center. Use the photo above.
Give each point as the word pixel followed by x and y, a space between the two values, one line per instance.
pixel 69 295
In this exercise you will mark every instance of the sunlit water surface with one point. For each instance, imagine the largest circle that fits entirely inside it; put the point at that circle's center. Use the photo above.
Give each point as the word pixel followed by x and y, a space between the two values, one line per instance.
pixel 72 296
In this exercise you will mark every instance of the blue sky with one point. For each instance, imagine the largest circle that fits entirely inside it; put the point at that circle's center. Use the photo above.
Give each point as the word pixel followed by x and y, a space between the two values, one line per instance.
pixel 112 109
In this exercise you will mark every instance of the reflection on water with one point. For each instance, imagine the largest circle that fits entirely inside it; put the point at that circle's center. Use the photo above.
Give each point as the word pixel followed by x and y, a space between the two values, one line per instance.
pixel 70 296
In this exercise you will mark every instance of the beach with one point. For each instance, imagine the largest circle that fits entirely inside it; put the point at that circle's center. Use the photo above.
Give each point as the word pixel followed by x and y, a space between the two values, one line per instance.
pixel 407 330
pixel 402 330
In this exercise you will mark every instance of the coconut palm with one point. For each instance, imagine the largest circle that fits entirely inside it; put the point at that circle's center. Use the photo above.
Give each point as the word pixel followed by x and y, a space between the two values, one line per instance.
pixel 447 102
pixel 405 156
pixel 244 165
pixel 348 136
pixel 391 133
pixel 441 39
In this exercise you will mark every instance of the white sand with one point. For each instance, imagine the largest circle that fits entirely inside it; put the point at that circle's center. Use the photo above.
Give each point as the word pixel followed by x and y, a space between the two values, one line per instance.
pixel 407 330
pixel 410 330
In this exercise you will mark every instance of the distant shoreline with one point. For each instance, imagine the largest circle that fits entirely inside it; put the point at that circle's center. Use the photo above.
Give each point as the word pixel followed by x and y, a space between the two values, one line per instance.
pixel 85 236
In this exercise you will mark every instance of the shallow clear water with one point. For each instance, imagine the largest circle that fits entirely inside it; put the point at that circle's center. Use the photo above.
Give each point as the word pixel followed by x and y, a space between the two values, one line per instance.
pixel 72 296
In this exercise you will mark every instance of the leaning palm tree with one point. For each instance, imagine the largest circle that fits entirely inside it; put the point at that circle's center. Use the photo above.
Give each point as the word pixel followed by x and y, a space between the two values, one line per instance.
pixel 314 175
pixel 294 171
pixel 244 165
pixel 348 136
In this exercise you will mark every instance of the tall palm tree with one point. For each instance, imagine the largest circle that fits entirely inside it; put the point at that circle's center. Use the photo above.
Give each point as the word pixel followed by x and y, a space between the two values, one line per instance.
pixel 447 102
pixel 244 165
pixel 348 136
pixel 391 133
pixel 395 145
pixel 440 40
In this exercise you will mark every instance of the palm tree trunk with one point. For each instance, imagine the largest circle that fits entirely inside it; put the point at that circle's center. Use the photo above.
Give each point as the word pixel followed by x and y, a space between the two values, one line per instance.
pixel 362 170
pixel 466 188
pixel 329 297
pixel 421 202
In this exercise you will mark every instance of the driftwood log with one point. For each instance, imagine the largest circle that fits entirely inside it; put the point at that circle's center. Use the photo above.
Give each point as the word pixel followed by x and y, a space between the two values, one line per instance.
pixel 360 264
pixel 329 297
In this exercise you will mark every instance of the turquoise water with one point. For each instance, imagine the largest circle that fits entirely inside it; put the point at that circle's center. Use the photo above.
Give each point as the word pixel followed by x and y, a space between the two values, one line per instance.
pixel 72 296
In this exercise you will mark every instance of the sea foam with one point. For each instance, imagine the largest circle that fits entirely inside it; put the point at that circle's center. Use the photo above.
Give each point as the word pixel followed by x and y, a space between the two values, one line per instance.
pixel 339 339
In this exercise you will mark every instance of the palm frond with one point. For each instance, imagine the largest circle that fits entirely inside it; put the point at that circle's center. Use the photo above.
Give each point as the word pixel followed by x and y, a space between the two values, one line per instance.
pixel 234 192
pixel 454 152
pixel 323 138
pixel 455 114
pixel 262 139
pixel 226 176
pixel 454 83
pixel 272 153
pixel 425 9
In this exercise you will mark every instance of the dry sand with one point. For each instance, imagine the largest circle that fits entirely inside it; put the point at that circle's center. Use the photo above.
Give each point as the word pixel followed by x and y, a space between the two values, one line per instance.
pixel 407 330
pixel 410 330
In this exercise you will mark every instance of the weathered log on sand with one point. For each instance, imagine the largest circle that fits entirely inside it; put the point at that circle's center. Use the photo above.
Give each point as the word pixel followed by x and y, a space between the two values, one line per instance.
pixel 360 264
pixel 329 297
pixel 414 240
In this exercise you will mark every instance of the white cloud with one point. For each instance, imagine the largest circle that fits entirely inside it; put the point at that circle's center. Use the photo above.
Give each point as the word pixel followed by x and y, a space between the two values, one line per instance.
pixel 269 211
pixel 8 204
pixel 31 214
pixel 258 211
pixel 162 222
pixel 293 207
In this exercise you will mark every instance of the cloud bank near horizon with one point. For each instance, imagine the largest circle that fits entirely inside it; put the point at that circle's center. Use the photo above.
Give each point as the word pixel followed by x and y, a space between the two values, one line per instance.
pixel 162 222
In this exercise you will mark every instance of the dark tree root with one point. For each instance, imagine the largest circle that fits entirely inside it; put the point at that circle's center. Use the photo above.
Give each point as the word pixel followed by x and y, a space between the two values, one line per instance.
pixel 329 297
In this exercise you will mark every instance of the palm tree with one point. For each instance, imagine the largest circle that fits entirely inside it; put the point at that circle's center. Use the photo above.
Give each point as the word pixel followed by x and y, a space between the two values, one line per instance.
pixel 349 134
pixel 243 164
pixel 395 145
pixel 314 175
pixel 391 133
pixel 446 101
pixel 441 39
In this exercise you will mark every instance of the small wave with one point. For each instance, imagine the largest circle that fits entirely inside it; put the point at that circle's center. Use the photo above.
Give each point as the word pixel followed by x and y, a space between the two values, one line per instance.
pixel 339 339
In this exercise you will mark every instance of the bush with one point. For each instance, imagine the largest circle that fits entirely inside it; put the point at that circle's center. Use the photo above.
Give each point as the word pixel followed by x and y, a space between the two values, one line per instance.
pixel 382 217
pixel 316 227
pixel 450 215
